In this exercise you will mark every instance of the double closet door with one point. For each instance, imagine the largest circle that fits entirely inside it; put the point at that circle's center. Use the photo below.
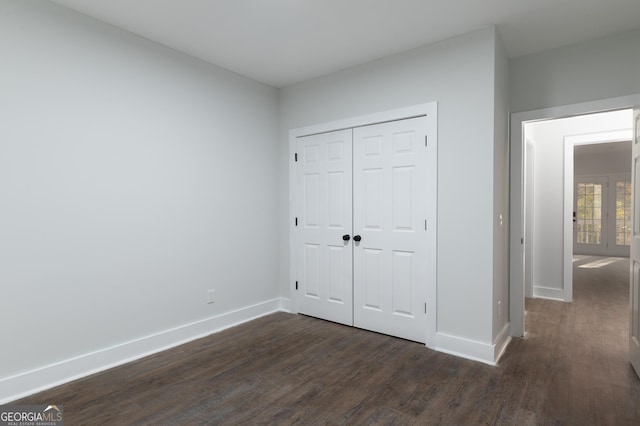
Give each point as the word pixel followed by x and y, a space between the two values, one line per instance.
pixel 363 242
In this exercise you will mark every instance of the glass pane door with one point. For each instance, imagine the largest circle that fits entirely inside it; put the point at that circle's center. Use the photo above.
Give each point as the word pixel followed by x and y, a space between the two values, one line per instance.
pixel 590 215
pixel 623 212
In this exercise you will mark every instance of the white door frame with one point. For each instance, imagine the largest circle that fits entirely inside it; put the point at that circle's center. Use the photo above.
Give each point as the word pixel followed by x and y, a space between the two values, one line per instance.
pixel 516 231
pixel 429 110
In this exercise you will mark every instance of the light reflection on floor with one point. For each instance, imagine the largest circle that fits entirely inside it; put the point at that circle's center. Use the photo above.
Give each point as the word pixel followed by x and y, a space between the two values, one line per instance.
pixel 598 262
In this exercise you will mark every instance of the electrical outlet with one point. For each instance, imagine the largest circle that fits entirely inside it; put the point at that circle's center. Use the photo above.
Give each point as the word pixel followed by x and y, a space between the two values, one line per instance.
pixel 211 296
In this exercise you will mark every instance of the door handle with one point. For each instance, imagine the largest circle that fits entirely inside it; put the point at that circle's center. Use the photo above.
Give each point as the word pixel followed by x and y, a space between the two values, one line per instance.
pixel 357 238
pixel 346 237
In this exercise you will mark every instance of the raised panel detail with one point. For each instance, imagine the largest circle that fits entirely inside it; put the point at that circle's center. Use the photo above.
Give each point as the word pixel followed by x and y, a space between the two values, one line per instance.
pixel 311 154
pixel 403 143
pixel 336 200
pixel 373 147
pixel 335 151
pixel 336 273
pixel 372 279
pixel 312 270
pixel 402 283
pixel 403 198
pixel 312 201
pixel 373 199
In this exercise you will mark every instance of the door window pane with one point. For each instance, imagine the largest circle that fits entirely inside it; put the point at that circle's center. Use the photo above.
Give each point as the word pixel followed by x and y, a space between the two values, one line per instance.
pixel 623 213
pixel 589 213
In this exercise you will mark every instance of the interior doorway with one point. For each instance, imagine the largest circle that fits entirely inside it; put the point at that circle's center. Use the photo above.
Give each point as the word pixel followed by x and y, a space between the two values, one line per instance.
pixel 595 149
pixel 517 205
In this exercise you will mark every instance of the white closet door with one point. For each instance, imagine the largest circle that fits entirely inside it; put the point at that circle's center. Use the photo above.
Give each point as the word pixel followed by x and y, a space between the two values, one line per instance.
pixel 324 197
pixel 391 261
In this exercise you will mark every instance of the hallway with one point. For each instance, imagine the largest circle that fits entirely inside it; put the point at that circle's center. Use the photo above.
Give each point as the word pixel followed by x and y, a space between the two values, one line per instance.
pixel 580 349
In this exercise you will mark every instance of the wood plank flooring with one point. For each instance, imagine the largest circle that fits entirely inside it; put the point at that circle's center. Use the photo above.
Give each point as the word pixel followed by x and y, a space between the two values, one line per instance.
pixel 571 369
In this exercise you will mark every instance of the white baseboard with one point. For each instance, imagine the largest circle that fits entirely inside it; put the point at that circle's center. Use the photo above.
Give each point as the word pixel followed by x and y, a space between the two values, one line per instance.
pixel 285 304
pixel 548 293
pixel 30 382
pixel 501 342
pixel 473 350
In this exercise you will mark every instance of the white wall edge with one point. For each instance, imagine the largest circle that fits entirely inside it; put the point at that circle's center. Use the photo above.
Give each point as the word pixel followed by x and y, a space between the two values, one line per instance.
pixel 465 348
pixel 501 342
pixel 37 380
pixel 549 293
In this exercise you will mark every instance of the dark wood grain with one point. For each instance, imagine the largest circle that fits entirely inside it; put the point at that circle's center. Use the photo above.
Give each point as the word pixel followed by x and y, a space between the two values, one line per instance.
pixel 571 369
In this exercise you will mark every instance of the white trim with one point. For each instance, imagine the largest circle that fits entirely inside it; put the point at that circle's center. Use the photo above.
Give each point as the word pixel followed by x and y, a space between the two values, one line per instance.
pixel 501 342
pixel 285 304
pixel 549 293
pixel 430 110
pixel 30 382
pixel 516 287
pixel 470 349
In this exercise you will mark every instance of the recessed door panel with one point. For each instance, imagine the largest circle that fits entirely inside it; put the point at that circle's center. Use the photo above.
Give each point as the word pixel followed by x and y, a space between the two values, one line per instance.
pixel 402 210
pixel 372 193
pixel 339 283
pixel 372 280
pixel 312 270
pixel 402 283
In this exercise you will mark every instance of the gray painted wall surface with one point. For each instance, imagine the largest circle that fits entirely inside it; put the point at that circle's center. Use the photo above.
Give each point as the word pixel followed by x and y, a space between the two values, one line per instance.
pixel 132 179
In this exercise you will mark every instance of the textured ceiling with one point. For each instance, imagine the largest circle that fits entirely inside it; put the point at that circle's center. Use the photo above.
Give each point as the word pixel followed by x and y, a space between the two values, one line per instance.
pixel 281 42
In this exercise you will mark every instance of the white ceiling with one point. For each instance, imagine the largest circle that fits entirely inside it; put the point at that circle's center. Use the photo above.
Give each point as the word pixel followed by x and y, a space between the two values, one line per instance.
pixel 281 42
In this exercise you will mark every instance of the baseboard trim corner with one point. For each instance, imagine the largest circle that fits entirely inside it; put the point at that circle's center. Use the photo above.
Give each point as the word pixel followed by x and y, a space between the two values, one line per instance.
pixel 501 342
pixel 465 348
pixel 28 383
pixel 548 293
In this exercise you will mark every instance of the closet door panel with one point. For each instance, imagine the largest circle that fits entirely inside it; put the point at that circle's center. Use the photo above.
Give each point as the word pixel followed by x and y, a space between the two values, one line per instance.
pixel 324 205
pixel 390 210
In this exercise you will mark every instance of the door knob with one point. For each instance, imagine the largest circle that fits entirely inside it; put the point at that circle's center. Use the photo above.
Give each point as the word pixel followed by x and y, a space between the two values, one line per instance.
pixel 357 238
pixel 346 237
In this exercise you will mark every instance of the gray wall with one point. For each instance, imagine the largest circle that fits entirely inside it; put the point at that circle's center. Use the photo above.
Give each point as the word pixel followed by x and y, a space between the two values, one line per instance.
pixel 599 69
pixel 459 74
pixel 501 192
pixel 132 179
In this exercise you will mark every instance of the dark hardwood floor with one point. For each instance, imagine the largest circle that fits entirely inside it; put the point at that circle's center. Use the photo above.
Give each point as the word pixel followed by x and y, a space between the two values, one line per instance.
pixel 571 369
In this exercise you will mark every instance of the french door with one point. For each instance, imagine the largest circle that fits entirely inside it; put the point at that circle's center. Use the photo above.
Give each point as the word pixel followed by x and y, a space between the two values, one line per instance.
pixel 602 218
pixel 364 246
pixel 590 217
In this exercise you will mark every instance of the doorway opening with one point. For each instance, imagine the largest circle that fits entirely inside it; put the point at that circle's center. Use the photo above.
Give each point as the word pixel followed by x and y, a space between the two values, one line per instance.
pixel 562 228
pixel 577 197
